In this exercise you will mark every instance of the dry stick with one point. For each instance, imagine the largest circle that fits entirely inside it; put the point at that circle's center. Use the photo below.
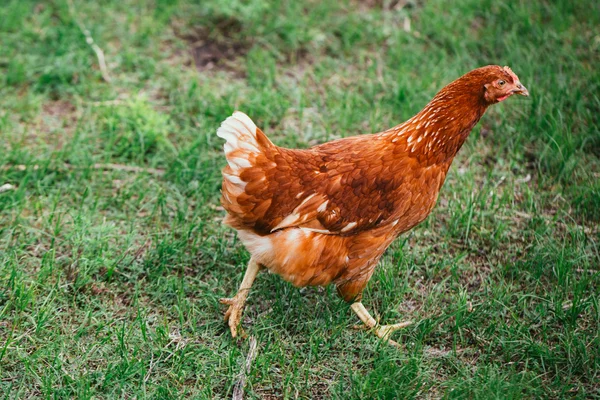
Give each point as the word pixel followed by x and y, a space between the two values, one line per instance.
pixel 114 167
pixel 19 167
pixel 238 389
pixel 130 168
pixel 90 41
pixel 589 271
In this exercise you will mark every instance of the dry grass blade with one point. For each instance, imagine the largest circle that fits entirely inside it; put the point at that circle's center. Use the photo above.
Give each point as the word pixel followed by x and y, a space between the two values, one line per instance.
pixel 7 187
pixel 238 389
pixel 110 166
pixel 130 168
pixel 90 41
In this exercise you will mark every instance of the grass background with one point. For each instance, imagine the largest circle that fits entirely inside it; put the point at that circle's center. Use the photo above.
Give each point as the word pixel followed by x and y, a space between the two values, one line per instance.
pixel 110 280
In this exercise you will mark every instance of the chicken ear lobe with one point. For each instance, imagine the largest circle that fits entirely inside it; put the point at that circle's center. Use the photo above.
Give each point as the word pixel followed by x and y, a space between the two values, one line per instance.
pixel 489 97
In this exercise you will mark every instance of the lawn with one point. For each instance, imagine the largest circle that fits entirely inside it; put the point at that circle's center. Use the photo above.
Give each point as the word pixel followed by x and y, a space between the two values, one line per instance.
pixel 113 255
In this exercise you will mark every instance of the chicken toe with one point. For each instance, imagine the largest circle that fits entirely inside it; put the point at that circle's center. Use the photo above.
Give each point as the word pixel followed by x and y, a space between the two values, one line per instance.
pixel 234 312
pixel 382 331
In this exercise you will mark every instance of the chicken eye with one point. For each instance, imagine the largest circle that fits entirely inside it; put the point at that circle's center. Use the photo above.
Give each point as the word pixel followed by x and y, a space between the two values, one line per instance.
pixel 501 82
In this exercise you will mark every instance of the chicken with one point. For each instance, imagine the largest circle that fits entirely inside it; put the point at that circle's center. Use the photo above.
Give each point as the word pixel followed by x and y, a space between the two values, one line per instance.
pixel 327 214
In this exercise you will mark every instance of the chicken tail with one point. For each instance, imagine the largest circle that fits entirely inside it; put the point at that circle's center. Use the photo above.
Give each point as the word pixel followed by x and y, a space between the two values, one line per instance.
pixel 243 139
pixel 246 150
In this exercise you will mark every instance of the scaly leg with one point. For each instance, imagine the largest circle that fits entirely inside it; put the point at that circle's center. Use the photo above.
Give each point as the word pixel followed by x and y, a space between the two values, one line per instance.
pixel 237 302
pixel 383 331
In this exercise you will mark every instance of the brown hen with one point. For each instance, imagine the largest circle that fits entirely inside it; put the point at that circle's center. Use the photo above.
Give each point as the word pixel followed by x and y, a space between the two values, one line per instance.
pixel 326 214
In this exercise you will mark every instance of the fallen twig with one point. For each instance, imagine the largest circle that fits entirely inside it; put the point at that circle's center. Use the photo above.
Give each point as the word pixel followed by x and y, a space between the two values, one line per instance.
pixel 238 389
pixel 7 187
pixel 589 271
pixel 19 167
pixel 110 166
pixel 434 352
pixel 526 179
pixel 522 214
pixel 90 41
pixel 130 168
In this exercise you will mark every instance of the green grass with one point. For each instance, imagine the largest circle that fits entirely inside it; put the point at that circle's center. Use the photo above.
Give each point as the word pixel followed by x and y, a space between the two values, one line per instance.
pixel 110 280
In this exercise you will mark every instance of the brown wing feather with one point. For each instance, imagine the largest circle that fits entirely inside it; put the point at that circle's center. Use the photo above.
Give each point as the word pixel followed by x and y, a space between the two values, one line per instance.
pixel 341 187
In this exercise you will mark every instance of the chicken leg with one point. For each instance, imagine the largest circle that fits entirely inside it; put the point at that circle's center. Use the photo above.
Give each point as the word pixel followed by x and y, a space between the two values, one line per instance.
pixel 382 331
pixel 237 302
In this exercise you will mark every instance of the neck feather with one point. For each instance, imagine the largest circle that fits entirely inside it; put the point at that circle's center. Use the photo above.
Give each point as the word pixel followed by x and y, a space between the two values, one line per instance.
pixel 438 132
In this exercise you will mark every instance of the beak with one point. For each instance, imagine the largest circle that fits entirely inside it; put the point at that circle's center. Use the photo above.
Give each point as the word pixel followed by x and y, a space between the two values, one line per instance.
pixel 522 90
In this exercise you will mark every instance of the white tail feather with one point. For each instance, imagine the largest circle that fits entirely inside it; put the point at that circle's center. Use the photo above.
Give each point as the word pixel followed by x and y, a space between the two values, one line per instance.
pixel 240 133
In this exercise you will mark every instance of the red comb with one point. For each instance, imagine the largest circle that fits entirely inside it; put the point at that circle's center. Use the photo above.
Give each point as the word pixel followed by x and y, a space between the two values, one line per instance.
pixel 509 71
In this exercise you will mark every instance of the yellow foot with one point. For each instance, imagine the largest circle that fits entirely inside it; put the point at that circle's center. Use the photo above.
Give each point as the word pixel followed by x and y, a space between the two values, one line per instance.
pixel 236 303
pixel 234 313
pixel 382 331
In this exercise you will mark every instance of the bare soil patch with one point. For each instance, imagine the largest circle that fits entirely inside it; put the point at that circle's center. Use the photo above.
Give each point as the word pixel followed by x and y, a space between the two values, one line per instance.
pixel 217 47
